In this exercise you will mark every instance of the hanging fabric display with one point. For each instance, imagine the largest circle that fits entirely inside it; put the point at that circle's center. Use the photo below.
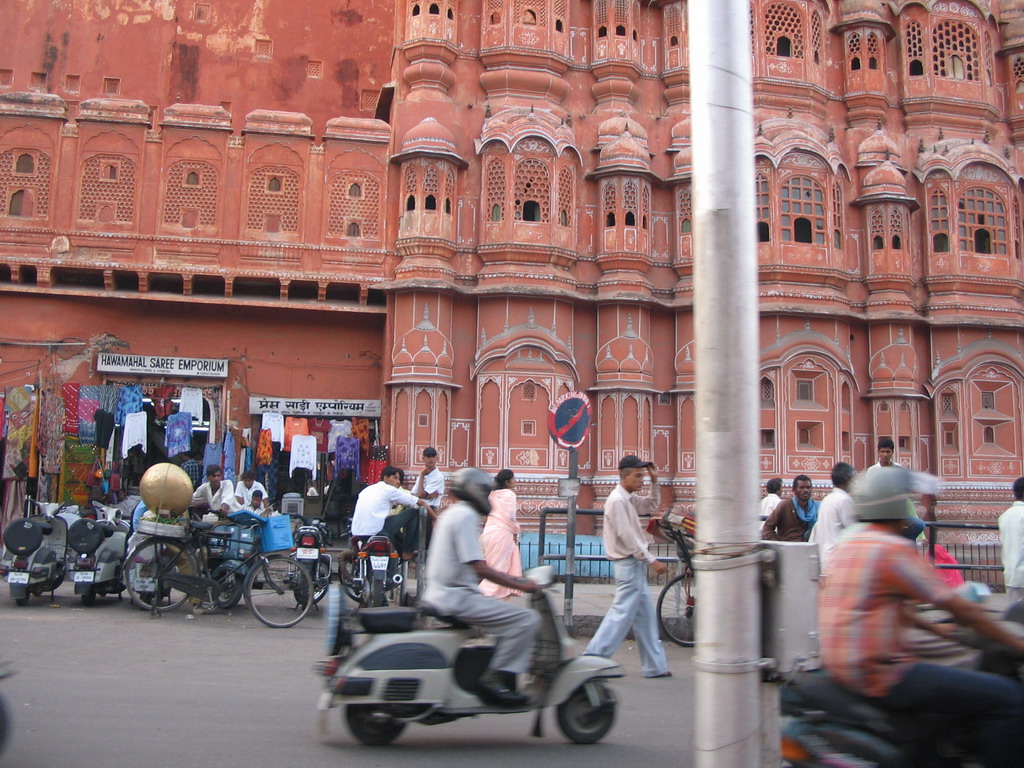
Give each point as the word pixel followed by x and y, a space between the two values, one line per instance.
pixel 108 397
pixel 104 428
pixel 361 429
pixel 134 432
pixel 192 402
pixel 70 392
pixel 88 404
pixel 303 454
pixel 178 436
pixel 264 448
pixel 213 453
pixel 18 402
pixel 267 473
pixel 214 419
pixel 51 435
pixel 346 454
pixel 162 402
pixel 319 429
pixel 275 423
pixel 294 425
pixel 230 458
pixel 129 400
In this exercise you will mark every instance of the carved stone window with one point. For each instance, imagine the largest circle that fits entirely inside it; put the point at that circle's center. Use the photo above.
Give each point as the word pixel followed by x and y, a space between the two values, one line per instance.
pixel 981 222
pixel 783 30
pixel 955 51
pixel 802 211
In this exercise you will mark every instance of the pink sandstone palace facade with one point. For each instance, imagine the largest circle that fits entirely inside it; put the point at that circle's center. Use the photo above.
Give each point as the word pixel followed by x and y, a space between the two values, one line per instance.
pixel 462 209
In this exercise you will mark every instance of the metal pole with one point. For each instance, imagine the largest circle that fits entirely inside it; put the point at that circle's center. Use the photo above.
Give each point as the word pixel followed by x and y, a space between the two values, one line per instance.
pixel 727 728
pixel 570 545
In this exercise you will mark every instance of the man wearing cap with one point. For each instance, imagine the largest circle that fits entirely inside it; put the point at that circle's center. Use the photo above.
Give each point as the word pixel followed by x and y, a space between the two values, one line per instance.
pixel 626 545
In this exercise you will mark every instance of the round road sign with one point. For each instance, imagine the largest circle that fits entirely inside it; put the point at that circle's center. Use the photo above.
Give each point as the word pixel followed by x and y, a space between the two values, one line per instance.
pixel 569 419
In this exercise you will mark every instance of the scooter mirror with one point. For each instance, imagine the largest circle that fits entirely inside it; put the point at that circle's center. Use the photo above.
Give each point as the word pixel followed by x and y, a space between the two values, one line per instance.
pixel 544 575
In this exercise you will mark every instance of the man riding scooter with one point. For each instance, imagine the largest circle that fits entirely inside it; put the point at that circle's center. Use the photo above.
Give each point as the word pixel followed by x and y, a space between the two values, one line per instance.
pixel 455 566
pixel 865 609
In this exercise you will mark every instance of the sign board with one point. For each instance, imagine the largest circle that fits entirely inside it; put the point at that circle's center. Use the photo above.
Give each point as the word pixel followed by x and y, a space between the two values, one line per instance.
pixel 156 365
pixel 568 487
pixel 367 409
pixel 569 419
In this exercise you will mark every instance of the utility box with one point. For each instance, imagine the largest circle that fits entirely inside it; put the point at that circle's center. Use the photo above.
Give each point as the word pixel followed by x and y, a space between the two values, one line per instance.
pixel 790 606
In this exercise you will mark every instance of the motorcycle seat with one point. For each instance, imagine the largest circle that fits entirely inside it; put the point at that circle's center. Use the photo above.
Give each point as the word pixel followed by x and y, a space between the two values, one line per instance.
pixel 387 620
pixel 451 621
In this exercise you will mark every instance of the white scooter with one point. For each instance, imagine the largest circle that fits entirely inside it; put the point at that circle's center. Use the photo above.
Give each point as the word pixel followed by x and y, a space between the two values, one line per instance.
pixel 96 554
pixel 395 672
pixel 34 547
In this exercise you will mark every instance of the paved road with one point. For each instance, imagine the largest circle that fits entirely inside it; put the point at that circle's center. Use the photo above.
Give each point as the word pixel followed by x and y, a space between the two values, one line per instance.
pixel 108 686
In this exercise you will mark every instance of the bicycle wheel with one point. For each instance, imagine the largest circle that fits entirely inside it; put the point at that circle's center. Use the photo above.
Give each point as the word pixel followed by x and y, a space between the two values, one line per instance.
pixel 677 610
pixel 147 564
pixel 279 591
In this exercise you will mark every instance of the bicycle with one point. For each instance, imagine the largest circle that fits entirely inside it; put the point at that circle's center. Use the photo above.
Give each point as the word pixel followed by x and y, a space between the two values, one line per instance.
pixel 677 608
pixel 160 573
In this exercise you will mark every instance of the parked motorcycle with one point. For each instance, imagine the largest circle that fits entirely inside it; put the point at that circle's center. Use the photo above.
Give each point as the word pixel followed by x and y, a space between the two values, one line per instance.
pixel 827 725
pixel 34 555
pixel 394 672
pixel 311 550
pixel 96 558
pixel 372 572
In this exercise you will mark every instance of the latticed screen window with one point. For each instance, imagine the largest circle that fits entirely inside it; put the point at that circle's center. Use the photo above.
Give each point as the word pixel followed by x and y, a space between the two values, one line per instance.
pixel 565 195
pixel 988 401
pixel 981 222
pixel 853 50
pixel 764 209
pixel 629 202
pixel 816 37
pixel 609 196
pixel 767 393
pixel 1018 74
pixel 529 391
pixel 948 405
pixel 673 25
pixel 874 48
pixel 802 209
pixel 955 51
pixel 528 428
pixel 533 191
pixel 354 205
pixel 783 31
pixel 877 224
pixel 837 214
pixel 938 221
pixel 896 227
pixel 496 190
pixel 805 390
pixel 914 42
pixel 684 210
pixel 191 185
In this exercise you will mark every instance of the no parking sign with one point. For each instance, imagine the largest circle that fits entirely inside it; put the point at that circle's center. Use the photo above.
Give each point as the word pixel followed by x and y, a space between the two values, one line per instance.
pixel 569 419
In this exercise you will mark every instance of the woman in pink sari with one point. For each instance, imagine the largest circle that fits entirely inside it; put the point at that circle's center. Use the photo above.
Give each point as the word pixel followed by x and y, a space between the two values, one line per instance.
pixel 500 538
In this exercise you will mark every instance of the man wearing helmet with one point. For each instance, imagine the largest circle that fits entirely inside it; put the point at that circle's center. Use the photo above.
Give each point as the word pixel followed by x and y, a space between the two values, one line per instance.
pixel 455 566
pixel 866 607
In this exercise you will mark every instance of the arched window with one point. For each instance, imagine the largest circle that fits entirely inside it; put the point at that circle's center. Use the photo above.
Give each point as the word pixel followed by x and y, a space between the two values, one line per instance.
pixel 192 179
pixel 495 212
pixel 783 29
pixel 274 184
pixel 353 229
pixel 897 243
pixel 110 171
pixel 764 232
pixel 916 68
pixel 532 185
pixel 877 242
pixel 855 63
pixel 435 10
pixel 530 17
pixel 416 10
pixel 410 203
pixel 955 51
pixel 531 211
pixel 430 203
pixel 495 18
pixel 630 219
pixel 609 220
pixel 25 164
pixel 16 206
pixel 602 31
pixel 783 47
pixel 620 30
pixel 802 209
pixel 451 14
pixel 447 205
pixel 558 25
pixel 938 221
pixel 763 207
pixel 940 242
pixel 914 48
pixel 355 191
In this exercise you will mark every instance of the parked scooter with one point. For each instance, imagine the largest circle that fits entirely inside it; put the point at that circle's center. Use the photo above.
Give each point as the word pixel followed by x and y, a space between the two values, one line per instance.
pixel 96 557
pixel 827 725
pixel 372 572
pixel 311 550
pixel 394 672
pixel 34 549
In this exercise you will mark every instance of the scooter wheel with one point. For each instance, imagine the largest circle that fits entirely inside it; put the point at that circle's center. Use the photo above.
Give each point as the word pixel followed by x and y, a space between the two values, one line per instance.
pixel 89 599
pixel 21 601
pixel 371 726
pixel 581 721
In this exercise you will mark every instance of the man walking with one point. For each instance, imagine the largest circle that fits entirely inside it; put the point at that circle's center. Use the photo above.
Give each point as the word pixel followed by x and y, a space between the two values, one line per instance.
pixel 835 513
pixel 794 518
pixel 1011 534
pixel 625 544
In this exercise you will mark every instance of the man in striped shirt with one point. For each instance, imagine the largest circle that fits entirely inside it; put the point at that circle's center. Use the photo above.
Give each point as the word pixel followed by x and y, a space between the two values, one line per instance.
pixel 866 607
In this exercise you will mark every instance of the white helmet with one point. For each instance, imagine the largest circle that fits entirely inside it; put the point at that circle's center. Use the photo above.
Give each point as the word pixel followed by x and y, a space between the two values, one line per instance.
pixel 473 485
pixel 883 494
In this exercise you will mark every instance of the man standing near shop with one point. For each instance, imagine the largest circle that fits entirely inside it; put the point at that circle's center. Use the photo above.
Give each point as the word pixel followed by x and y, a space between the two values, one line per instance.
pixel 216 494
pixel 794 518
pixel 625 544
pixel 429 485
pixel 1011 535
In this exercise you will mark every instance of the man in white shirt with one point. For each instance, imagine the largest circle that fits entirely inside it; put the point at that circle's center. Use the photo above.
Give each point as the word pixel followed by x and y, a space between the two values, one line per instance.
pixel 771 499
pixel 835 513
pixel 626 545
pixel 429 485
pixel 216 494
pixel 372 514
pixel 1011 535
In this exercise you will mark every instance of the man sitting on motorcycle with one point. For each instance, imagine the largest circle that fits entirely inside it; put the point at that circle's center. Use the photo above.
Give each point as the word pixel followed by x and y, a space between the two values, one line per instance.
pixel 455 566
pixel 867 605
pixel 372 514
